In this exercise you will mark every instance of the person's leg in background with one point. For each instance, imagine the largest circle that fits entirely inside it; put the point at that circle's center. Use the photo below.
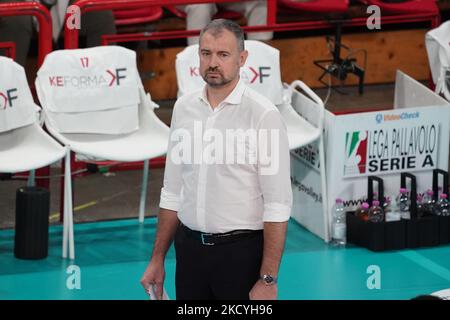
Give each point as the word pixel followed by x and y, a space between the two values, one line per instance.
pixel 256 14
pixel 197 17
pixel 18 30
pixel 95 24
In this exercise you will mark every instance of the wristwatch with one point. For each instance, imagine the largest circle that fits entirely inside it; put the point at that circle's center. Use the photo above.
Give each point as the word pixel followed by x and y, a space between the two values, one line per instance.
pixel 268 279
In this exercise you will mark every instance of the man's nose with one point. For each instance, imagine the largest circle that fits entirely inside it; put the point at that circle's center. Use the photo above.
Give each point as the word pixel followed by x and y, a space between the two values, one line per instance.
pixel 213 62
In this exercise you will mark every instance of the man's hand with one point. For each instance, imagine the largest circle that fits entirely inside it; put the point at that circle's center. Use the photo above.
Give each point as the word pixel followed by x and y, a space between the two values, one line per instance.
pixel 261 291
pixel 154 275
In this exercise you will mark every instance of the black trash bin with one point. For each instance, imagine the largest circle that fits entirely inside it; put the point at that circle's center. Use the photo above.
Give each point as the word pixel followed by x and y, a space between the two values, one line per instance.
pixel 32 220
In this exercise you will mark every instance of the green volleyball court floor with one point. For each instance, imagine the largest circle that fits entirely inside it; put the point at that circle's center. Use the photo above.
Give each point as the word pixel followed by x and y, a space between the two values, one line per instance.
pixel 112 255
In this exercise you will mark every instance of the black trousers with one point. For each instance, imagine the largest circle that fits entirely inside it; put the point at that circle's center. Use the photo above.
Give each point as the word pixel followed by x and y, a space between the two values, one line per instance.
pixel 225 271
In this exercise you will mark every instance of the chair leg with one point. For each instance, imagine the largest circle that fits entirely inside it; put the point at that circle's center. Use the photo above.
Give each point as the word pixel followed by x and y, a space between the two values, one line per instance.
pixel 70 216
pixel 62 186
pixel 323 181
pixel 71 231
pixel 66 208
pixel 143 192
pixel 31 178
pixel 68 237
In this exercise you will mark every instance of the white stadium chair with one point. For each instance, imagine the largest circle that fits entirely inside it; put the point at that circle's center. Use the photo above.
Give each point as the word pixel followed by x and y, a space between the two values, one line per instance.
pixel 97 106
pixel 24 145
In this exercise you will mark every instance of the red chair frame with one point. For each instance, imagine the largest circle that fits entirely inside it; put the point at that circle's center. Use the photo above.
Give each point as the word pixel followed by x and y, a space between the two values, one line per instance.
pixel 324 6
pixel 407 7
pixel 10 48
pixel 137 16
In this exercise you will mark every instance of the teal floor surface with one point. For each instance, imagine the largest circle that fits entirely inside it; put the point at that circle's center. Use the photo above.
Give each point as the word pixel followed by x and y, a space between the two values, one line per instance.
pixel 111 257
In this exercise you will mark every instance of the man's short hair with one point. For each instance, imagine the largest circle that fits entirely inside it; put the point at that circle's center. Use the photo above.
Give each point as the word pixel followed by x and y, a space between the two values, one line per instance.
pixel 218 25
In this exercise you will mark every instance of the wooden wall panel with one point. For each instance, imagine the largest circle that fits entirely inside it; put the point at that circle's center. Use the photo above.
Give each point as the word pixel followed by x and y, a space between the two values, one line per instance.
pixel 386 52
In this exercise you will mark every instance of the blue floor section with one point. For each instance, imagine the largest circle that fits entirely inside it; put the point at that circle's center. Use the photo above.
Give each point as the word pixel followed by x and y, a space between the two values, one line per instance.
pixel 112 256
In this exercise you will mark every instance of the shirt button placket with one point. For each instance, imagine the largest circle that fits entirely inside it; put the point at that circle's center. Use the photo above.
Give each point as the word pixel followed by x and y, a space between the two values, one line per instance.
pixel 203 174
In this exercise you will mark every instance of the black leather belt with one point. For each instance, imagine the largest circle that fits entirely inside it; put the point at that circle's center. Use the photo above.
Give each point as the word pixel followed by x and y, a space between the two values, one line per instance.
pixel 211 239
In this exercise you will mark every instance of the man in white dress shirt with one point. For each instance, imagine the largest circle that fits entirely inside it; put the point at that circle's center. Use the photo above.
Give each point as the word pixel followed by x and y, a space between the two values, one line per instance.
pixel 227 196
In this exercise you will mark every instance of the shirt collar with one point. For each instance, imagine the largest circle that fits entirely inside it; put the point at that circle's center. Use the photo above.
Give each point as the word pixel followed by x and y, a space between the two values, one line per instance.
pixel 235 96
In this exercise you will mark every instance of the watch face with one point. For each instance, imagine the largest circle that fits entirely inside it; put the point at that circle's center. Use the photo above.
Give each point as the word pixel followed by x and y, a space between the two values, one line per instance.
pixel 268 279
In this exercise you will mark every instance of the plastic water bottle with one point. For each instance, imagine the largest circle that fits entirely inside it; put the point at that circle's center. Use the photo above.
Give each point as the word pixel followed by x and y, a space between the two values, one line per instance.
pixel 404 204
pixel 440 191
pixel 442 207
pixel 339 227
pixel 428 203
pixel 375 196
pixel 386 205
pixel 375 212
pixel 391 211
pixel 363 211
pixel 420 208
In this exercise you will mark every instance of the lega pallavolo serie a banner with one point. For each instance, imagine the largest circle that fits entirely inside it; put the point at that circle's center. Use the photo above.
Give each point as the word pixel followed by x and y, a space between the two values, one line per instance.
pixel 396 147
pixel 412 137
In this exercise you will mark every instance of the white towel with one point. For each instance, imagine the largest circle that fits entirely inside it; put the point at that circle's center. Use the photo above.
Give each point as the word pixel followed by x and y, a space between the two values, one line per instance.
pixel 94 90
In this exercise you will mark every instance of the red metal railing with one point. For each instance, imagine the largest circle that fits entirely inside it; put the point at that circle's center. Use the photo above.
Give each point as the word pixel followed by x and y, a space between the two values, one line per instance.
pixel 71 36
pixel 289 26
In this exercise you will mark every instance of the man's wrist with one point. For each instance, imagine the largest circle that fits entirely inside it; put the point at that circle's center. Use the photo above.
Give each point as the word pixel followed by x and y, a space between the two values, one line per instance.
pixel 158 258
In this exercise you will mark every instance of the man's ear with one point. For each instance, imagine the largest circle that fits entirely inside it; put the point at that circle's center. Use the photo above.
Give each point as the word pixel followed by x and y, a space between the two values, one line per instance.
pixel 242 58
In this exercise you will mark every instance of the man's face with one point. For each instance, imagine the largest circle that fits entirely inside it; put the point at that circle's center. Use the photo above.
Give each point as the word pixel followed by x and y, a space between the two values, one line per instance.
pixel 220 59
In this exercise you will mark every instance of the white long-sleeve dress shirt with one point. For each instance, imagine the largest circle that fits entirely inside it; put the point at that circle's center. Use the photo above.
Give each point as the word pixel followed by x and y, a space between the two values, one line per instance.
pixel 227 168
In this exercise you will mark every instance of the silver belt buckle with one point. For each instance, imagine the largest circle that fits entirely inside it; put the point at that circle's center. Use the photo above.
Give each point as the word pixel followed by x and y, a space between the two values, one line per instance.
pixel 203 240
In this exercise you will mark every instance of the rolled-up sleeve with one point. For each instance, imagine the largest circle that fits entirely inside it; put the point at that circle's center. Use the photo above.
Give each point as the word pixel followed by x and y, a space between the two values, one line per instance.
pixel 274 167
pixel 171 191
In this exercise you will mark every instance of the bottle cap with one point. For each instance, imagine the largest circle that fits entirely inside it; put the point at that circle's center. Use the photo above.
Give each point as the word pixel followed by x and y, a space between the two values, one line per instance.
pixel 443 196
pixel 429 192
pixel 376 203
pixel 339 200
pixel 365 205
pixel 403 190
